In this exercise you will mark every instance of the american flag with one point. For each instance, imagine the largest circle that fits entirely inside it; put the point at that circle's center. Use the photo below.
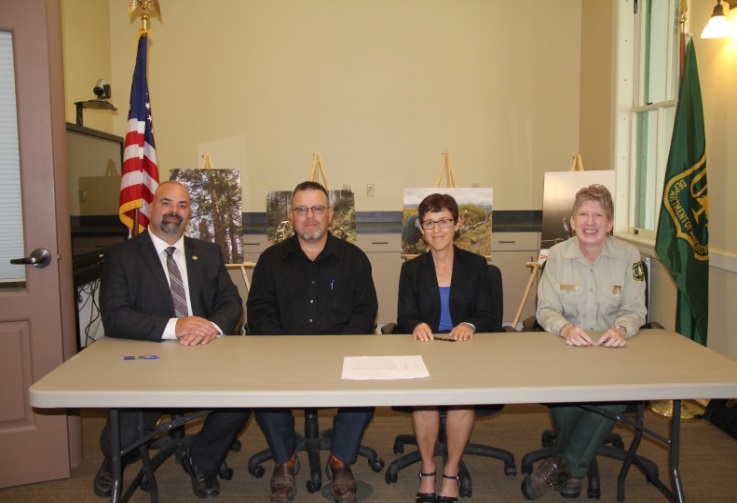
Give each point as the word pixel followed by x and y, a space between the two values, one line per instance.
pixel 140 170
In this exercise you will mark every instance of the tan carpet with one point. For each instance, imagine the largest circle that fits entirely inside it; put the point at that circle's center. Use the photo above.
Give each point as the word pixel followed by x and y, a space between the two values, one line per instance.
pixel 708 465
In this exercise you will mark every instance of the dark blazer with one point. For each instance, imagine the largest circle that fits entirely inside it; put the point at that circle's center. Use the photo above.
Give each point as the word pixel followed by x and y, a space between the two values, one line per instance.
pixel 135 299
pixel 471 299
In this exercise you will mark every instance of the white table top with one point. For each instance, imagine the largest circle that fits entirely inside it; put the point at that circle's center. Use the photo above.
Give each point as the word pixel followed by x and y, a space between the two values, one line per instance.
pixel 305 371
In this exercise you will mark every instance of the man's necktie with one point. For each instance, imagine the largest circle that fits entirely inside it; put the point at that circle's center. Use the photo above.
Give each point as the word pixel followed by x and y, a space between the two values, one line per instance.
pixel 176 285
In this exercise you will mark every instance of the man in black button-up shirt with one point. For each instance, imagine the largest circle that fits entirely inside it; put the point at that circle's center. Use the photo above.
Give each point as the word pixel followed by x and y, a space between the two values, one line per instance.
pixel 313 284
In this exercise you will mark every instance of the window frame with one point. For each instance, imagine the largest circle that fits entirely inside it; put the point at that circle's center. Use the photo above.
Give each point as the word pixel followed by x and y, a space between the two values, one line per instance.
pixel 630 91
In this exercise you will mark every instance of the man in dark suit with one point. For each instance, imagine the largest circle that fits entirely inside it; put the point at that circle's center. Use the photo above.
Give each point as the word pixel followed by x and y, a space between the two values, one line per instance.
pixel 202 303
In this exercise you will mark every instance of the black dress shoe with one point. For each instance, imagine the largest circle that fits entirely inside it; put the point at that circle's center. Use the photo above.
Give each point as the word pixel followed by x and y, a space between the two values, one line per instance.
pixel 449 499
pixel 103 483
pixel 426 497
pixel 202 486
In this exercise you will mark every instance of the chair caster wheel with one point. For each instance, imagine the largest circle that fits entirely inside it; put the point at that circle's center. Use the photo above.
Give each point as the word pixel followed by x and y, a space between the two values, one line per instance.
pixel 398 448
pixel 312 486
pixel 257 471
pixel 377 465
pixel 144 485
pixel 236 446
pixel 510 470
pixel 226 474
pixel 391 478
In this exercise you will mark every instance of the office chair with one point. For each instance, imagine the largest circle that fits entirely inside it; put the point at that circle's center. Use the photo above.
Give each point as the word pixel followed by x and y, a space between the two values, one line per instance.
pixel 613 446
pixel 465 482
pixel 176 444
pixel 312 442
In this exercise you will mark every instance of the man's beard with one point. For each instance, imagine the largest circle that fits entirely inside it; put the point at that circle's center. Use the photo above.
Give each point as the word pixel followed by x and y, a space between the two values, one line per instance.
pixel 171 227
pixel 312 236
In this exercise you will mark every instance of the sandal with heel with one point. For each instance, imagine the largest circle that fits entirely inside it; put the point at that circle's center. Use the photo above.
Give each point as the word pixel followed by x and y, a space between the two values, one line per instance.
pixel 449 499
pixel 425 497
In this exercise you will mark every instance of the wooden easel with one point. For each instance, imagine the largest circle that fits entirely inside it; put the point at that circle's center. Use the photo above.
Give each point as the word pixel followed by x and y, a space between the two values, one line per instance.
pixel 576 165
pixel 318 170
pixel 446 166
pixel 206 161
pixel 533 275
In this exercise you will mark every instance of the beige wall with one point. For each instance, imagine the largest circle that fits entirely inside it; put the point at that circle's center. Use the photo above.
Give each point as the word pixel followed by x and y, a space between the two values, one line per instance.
pixel 86 31
pixel 717 61
pixel 381 87
pixel 597 84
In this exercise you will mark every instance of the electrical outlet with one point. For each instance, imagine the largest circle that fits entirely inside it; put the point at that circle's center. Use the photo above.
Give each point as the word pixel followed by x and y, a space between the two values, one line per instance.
pixel 82 196
pixel 370 190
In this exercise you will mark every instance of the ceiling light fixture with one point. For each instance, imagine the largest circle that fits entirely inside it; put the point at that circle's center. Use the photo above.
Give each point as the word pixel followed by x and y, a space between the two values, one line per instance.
pixel 719 26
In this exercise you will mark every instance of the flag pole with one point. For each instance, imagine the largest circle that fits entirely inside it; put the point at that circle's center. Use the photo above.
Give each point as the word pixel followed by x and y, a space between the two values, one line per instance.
pixel 693 409
pixel 140 174
pixel 144 6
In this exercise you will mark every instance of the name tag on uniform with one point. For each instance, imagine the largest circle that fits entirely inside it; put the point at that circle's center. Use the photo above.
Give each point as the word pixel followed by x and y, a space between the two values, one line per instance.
pixel 617 290
pixel 570 288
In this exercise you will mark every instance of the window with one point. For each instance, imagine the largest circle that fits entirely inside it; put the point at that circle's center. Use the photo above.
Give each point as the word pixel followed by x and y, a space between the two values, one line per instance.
pixel 646 96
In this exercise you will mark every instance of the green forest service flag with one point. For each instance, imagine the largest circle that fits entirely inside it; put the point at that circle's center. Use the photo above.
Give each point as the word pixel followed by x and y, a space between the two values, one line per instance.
pixel 683 229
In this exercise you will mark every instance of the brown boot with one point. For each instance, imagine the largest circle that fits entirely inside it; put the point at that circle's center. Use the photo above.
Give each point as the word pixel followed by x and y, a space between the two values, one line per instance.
pixel 283 485
pixel 344 485
pixel 551 474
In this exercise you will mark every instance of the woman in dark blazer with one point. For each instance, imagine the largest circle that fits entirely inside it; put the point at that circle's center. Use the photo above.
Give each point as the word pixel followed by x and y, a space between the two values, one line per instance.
pixel 447 290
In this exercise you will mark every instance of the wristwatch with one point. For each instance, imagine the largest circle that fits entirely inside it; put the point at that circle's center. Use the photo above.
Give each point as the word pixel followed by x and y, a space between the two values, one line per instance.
pixel 623 328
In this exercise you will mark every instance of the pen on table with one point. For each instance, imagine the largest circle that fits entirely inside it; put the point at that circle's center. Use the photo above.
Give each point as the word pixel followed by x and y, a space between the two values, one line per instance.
pixel 332 284
pixel 446 339
pixel 141 357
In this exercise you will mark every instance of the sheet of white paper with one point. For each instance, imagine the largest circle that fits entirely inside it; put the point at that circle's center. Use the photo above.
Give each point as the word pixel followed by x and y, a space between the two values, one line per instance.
pixel 384 367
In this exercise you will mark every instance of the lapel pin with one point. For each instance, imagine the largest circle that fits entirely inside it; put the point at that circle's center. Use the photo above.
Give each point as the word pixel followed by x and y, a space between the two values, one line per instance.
pixel 195 257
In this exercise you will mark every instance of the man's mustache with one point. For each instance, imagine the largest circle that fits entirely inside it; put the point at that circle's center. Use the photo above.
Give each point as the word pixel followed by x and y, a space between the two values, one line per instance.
pixel 178 218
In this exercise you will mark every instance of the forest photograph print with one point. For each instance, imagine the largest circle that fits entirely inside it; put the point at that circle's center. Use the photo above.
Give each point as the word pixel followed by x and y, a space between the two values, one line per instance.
pixel 216 208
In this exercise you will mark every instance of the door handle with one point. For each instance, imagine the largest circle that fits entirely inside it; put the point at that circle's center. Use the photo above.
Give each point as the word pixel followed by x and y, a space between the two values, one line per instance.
pixel 40 257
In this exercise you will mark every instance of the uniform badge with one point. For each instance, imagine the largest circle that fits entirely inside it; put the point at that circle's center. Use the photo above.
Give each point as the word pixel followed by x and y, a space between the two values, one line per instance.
pixel 638 271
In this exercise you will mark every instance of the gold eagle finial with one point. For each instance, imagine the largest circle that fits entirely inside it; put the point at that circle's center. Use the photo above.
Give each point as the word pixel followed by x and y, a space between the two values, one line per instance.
pixel 147 8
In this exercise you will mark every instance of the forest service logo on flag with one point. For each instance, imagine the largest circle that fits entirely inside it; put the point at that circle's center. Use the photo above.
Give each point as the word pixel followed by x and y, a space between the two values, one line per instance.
pixel 687 204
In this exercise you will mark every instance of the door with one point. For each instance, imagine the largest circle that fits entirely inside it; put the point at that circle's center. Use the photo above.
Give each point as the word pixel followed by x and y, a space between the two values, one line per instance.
pixel 35 302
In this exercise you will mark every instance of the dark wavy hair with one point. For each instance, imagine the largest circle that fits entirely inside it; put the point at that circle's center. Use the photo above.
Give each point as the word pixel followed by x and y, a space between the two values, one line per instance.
pixel 438 202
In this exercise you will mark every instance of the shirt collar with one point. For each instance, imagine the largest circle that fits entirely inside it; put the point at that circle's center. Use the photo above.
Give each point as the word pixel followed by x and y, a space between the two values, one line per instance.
pixel 331 248
pixel 162 245
pixel 573 250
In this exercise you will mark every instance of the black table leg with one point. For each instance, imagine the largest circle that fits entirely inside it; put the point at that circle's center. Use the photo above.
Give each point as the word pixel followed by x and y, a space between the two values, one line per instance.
pixel 675 446
pixel 117 470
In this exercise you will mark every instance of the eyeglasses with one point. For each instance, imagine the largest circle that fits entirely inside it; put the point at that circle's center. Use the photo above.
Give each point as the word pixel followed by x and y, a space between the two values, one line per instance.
pixel 316 210
pixel 443 223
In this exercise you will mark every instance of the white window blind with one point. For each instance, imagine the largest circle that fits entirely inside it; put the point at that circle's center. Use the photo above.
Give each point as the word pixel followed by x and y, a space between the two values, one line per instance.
pixel 11 212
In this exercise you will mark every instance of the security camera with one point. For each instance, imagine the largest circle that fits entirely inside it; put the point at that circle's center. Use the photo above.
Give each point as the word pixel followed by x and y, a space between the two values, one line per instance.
pixel 102 90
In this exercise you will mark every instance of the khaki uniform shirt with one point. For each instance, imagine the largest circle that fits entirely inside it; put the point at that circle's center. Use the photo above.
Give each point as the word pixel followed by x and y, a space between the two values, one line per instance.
pixel 594 297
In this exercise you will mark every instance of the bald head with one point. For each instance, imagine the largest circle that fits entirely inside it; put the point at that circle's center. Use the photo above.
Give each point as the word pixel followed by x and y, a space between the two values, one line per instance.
pixel 170 211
